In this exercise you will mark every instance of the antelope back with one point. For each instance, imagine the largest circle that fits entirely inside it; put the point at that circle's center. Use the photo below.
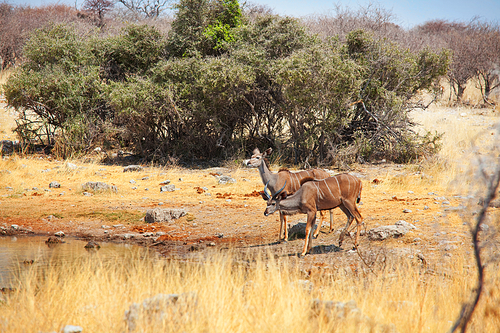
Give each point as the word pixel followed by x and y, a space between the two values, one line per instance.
pixel 295 179
pixel 350 187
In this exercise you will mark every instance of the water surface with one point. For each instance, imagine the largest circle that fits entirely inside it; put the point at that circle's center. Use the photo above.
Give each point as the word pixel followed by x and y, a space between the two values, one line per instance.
pixel 20 252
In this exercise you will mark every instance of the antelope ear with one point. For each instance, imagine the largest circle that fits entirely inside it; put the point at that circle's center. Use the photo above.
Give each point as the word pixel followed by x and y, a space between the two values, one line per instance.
pixel 256 151
pixel 268 151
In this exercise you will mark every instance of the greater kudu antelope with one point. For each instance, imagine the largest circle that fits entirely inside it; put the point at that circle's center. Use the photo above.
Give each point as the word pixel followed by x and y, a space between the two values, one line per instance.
pixel 290 181
pixel 342 191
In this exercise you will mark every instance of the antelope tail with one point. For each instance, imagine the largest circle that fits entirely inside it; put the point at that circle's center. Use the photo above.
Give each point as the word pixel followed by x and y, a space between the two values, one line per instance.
pixel 359 193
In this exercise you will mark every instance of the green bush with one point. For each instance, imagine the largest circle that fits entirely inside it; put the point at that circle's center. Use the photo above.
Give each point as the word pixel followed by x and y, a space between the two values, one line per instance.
pixel 220 84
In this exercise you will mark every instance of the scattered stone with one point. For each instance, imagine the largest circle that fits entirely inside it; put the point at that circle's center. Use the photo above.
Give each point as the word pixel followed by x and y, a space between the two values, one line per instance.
pixel 14 227
pixel 132 168
pixel 406 210
pixel 336 310
pixel 59 234
pixel 484 227
pixel 8 146
pixel 174 308
pixel 53 240
pixel 453 209
pixel 225 180
pixel 145 178
pixel 99 186
pixel 92 245
pixel 211 244
pixel 167 188
pixel 165 182
pixel 71 166
pixel 305 285
pixel 132 181
pixel 54 184
pixel 450 247
pixel 163 214
pixel 426 207
pixel 127 236
pixel 87 194
pixel 399 229
pixel 195 248
pixel 72 329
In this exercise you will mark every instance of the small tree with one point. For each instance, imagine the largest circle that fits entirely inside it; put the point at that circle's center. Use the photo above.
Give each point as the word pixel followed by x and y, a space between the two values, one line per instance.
pixel 97 9
pixel 146 8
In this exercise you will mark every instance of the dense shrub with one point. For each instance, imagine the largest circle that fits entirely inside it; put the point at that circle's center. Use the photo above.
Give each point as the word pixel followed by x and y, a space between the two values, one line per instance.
pixel 220 84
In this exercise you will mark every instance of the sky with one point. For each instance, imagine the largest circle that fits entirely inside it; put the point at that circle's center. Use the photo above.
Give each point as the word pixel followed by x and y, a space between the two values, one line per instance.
pixel 406 13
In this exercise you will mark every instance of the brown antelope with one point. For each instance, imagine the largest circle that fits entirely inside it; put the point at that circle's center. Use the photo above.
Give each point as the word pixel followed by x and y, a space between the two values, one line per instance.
pixel 342 191
pixel 290 181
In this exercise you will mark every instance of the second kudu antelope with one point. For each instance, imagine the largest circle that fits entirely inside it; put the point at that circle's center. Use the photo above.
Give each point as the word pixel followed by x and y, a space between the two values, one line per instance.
pixel 342 191
pixel 290 181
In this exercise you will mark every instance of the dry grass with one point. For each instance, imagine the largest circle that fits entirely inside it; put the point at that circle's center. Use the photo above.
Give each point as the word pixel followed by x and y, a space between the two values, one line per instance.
pixel 253 295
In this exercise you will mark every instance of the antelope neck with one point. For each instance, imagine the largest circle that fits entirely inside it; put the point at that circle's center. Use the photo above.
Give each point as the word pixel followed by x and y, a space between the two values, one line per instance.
pixel 268 176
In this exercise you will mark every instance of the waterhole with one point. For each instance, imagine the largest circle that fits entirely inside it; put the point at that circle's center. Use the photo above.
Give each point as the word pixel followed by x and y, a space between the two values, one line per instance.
pixel 22 253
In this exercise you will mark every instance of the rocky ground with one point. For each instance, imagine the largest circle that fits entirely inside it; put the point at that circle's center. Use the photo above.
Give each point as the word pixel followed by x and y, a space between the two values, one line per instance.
pixel 230 216
pixel 221 216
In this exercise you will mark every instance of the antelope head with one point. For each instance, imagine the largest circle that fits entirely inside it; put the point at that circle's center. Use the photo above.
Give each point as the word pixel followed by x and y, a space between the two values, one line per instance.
pixel 257 158
pixel 273 202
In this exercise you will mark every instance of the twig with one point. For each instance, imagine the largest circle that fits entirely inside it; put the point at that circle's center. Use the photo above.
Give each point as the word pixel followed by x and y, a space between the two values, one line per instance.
pixel 468 308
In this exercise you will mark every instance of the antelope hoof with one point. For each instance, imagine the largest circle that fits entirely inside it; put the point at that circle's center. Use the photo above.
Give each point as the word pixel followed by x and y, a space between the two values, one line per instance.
pixel 330 231
pixel 302 255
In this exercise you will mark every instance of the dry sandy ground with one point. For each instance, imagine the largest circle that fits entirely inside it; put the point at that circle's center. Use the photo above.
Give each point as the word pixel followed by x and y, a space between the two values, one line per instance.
pixel 231 216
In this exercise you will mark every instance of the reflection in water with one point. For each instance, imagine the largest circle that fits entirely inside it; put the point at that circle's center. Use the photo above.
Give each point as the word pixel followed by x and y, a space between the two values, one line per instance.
pixel 18 253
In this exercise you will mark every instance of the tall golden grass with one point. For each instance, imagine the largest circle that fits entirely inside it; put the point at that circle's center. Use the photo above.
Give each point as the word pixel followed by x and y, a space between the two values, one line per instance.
pixel 249 293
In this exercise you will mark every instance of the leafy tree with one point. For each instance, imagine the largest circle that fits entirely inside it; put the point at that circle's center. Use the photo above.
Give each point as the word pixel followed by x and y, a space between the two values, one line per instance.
pixel 391 77
pixel 203 27
pixel 134 52
pixel 59 88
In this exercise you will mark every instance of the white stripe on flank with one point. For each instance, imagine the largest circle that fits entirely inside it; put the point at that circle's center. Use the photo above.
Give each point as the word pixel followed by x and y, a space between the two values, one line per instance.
pixel 329 189
pixel 338 185
pixel 319 191
pixel 349 180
